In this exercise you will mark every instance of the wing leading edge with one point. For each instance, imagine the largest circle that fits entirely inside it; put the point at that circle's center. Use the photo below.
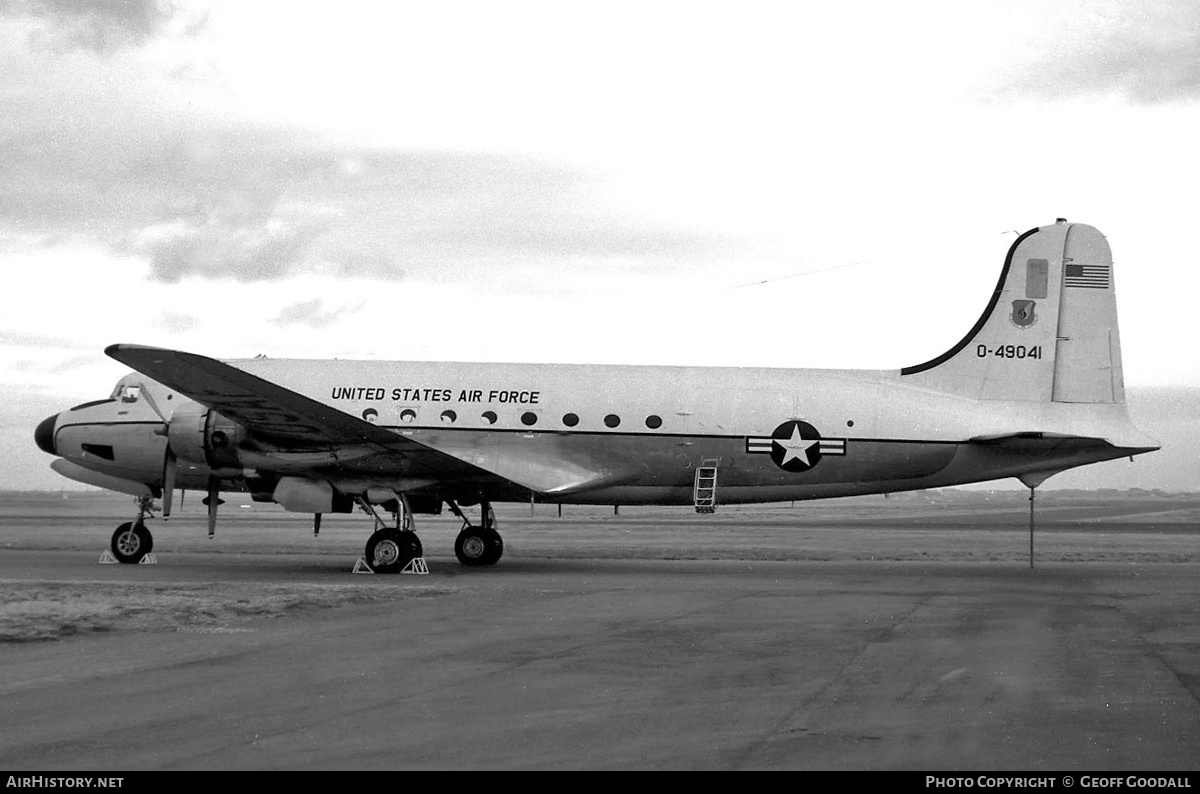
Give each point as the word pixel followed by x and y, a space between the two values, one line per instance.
pixel 291 420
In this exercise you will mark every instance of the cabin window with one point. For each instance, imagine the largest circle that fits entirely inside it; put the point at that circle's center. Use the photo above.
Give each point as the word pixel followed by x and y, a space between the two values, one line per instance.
pixel 529 418
pixel 449 416
pixel 570 420
pixel 489 417
pixel 408 416
pixel 612 420
pixel 653 422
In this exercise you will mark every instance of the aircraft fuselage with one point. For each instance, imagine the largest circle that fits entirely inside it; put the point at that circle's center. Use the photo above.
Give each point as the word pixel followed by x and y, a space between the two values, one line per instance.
pixel 645 430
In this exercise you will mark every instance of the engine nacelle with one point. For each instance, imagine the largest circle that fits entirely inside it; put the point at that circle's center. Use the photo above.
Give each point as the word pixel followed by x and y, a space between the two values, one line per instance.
pixel 200 435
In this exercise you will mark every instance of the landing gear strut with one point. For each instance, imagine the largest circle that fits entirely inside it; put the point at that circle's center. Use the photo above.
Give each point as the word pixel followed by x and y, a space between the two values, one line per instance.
pixel 132 541
pixel 478 545
pixel 391 549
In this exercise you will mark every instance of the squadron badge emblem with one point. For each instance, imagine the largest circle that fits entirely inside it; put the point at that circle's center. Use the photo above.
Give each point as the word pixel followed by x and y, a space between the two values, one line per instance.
pixel 796 446
pixel 1024 314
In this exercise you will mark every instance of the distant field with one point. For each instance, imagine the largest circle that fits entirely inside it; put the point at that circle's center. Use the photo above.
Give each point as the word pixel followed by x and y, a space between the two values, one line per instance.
pixel 953 525
pixel 51 600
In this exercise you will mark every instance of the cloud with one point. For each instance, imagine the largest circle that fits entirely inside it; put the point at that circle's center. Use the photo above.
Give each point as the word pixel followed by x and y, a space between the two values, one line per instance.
pixel 257 252
pixel 1149 53
pixel 114 153
pixel 311 313
pixel 175 322
pixel 197 200
pixel 9 337
pixel 101 26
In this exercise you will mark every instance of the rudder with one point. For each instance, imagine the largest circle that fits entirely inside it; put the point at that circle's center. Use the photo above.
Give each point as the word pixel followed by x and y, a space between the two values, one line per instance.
pixel 1087 363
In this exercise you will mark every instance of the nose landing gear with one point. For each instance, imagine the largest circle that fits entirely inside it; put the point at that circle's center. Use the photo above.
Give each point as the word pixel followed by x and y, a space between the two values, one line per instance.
pixel 132 541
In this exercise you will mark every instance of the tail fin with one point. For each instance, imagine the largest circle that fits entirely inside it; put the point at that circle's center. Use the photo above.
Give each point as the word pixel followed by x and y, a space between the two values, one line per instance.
pixel 1049 331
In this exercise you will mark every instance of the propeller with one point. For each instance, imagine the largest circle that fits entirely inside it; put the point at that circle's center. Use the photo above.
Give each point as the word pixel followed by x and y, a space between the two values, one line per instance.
pixel 171 471
pixel 212 501
pixel 170 462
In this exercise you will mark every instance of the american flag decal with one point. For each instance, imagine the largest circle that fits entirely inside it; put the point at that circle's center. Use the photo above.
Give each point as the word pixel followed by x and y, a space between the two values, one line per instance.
pixel 1087 276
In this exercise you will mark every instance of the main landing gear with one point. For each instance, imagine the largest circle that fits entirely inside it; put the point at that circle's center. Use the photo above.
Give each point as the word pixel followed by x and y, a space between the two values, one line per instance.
pixel 480 545
pixel 391 549
pixel 132 541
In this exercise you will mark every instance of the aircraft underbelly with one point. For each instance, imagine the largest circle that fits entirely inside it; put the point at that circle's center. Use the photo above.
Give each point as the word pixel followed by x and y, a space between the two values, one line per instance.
pixel 658 466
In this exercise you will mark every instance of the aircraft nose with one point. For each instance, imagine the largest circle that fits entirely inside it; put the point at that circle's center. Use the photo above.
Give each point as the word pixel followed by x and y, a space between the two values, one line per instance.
pixel 44 435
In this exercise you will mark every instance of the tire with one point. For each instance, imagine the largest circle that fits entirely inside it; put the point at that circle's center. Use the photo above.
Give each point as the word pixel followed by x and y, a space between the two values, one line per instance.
pixel 391 550
pixel 131 542
pixel 475 546
pixel 495 547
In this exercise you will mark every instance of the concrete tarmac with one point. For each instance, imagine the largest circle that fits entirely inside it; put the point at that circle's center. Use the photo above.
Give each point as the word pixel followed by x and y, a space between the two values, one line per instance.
pixel 603 662
pixel 643 664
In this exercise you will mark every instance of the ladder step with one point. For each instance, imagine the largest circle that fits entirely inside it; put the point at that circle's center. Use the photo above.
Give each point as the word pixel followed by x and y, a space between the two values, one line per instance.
pixel 704 492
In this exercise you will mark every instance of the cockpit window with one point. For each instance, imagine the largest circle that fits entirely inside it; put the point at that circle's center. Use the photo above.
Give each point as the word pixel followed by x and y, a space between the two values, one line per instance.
pixel 130 394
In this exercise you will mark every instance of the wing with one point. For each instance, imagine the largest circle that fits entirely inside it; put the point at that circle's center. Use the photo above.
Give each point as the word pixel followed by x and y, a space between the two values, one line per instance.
pixel 281 416
pixel 267 409
pixel 290 420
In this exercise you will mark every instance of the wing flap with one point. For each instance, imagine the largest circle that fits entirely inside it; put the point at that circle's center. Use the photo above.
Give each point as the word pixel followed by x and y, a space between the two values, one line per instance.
pixel 542 465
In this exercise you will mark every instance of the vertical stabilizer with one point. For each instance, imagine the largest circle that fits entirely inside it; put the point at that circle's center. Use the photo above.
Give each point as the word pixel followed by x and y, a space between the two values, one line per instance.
pixel 1049 331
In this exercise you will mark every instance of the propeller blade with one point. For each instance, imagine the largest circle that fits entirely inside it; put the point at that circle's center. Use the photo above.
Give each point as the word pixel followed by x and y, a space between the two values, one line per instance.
pixel 170 469
pixel 145 395
pixel 212 501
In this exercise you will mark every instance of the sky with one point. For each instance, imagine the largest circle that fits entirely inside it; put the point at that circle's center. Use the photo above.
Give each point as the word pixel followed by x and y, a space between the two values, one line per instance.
pixel 750 184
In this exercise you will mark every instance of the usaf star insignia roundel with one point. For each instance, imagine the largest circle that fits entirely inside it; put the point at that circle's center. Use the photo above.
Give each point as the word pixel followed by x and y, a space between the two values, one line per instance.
pixel 796 446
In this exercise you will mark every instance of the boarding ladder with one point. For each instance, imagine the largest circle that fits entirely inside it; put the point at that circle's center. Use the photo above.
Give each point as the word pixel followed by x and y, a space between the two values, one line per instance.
pixel 704 495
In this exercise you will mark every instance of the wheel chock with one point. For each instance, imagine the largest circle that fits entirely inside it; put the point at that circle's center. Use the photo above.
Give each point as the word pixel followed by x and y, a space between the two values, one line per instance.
pixel 107 558
pixel 416 567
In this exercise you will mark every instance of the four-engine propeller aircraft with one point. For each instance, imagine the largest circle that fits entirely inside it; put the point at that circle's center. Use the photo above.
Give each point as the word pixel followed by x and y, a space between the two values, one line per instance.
pixel 1034 388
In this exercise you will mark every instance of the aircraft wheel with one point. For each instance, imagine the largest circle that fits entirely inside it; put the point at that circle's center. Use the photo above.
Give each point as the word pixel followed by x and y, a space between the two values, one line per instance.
pixel 390 550
pixel 478 546
pixel 131 542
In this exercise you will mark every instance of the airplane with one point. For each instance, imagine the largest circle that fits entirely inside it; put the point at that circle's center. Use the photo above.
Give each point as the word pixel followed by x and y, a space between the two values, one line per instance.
pixel 1035 387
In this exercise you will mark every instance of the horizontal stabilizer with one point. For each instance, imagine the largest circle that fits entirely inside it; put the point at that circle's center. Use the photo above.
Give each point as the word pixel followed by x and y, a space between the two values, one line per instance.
pixel 1038 441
